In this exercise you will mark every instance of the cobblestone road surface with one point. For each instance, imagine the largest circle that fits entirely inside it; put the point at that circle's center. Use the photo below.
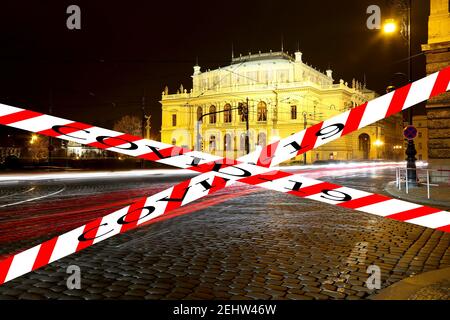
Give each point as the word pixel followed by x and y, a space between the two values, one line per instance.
pixel 262 245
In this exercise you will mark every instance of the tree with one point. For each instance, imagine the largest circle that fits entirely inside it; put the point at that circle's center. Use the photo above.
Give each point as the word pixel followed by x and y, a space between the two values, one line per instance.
pixel 38 147
pixel 130 125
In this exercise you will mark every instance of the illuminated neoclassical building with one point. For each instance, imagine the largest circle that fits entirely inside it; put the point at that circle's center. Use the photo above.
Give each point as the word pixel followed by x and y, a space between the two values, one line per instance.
pixel 284 95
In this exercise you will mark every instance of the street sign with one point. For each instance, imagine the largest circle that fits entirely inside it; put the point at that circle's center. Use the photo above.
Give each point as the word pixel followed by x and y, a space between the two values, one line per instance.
pixel 410 132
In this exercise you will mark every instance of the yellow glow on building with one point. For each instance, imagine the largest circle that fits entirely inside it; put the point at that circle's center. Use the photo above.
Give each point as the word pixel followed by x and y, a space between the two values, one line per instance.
pixel 284 93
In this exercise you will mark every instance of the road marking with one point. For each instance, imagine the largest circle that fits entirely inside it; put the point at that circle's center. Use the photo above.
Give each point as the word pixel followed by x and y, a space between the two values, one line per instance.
pixel 33 199
pixel 13 194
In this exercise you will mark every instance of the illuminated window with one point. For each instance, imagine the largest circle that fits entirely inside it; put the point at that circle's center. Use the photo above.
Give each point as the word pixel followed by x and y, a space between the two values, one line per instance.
pixel 174 120
pixel 262 111
pixel 227 113
pixel 262 139
pixel 212 143
pixel 242 111
pixel 242 142
pixel 293 112
pixel 227 142
pixel 212 116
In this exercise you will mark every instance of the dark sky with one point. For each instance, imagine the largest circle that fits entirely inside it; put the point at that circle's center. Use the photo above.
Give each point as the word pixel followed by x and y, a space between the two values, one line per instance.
pixel 129 49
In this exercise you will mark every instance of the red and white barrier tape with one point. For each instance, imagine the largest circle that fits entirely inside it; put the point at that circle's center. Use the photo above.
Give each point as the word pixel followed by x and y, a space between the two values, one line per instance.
pixel 188 191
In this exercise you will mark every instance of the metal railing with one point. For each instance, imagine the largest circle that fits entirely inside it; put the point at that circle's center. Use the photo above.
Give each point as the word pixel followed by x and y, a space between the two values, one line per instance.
pixel 427 177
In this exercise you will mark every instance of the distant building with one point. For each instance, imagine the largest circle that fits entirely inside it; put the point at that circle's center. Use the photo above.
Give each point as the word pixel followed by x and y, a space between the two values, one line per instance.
pixel 77 151
pixel 284 95
pixel 438 109
pixel 421 141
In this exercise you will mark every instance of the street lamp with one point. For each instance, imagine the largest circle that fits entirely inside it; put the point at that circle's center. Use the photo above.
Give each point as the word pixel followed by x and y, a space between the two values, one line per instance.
pixel 33 139
pixel 390 27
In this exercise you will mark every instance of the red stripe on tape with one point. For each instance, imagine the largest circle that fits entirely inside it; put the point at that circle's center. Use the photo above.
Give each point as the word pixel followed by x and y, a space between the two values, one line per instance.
pixel 163 153
pixel 66 129
pixel 112 142
pixel 4 268
pixel 133 215
pixel 441 83
pixel 444 228
pixel 44 254
pixel 266 155
pixel 265 177
pixel 310 138
pixel 218 184
pixel 314 189
pixel 177 196
pixel 354 119
pixel 398 100
pixel 413 213
pixel 19 116
pixel 208 166
pixel 89 232
pixel 363 201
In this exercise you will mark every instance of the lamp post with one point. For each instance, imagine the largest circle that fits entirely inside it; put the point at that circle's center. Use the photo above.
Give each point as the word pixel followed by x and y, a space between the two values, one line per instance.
pixel 390 27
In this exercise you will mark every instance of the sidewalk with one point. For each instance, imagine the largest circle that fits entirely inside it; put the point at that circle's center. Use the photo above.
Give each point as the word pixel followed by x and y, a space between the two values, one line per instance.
pixel 439 196
pixel 432 285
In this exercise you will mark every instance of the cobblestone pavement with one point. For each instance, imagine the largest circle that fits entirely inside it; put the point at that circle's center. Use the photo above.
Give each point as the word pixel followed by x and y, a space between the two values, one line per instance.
pixel 437 291
pixel 263 245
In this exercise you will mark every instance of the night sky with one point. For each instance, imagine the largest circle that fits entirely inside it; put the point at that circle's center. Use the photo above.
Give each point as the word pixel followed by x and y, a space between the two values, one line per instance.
pixel 129 49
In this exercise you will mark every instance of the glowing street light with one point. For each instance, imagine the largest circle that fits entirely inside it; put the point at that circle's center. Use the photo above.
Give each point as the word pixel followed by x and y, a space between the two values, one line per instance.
pixel 389 26
pixel 33 139
pixel 378 143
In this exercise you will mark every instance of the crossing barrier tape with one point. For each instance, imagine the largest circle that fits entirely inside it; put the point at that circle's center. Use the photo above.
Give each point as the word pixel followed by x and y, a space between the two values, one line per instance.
pixel 218 172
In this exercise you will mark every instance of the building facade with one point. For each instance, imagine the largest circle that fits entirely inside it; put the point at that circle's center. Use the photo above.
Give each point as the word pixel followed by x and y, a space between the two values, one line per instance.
pixel 438 109
pixel 284 95
pixel 421 141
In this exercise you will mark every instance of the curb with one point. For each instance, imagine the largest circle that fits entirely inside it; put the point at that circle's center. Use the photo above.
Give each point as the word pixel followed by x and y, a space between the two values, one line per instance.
pixel 390 189
pixel 411 288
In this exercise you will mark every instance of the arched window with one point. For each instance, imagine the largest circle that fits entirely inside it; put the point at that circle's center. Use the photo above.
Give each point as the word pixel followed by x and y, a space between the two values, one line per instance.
pixel 262 111
pixel 212 143
pixel 242 142
pixel 227 113
pixel 227 142
pixel 262 139
pixel 199 113
pixel 364 145
pixel 212 116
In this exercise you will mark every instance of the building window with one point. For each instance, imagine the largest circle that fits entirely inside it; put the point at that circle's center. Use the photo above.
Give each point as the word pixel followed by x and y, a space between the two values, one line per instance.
pixel 227 142
pixel 212 143
pixel 174 120
pixel 242 142
pixel 420 157
pixel 227 113
pixel 242 111
pixel 199 113
pixel 212 116
pixel 420 145
pixel 262 111
pixel 364 145
pixel 293 112
pixel 262 139
pixel 420 134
